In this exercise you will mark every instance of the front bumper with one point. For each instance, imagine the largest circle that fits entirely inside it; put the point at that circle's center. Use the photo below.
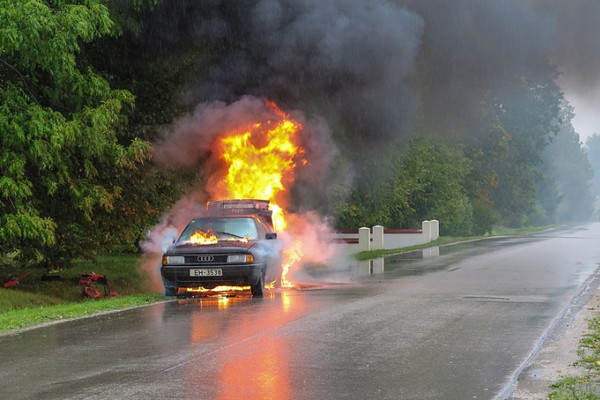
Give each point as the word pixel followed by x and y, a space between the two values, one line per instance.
pixel 233 275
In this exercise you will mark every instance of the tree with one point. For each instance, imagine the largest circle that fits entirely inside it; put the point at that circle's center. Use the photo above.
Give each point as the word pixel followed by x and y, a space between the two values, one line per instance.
pixel 427 182
pixel 565 192
pixel 593 150
pixel 529 111
pixel 59 148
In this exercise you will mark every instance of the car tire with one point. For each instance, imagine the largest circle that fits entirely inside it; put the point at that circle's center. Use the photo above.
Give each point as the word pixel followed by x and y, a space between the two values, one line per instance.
pixel 170 291
pixel 258 289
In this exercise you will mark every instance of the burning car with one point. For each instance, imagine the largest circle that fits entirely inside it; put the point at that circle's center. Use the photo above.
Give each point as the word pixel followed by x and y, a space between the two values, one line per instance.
pixel 232 245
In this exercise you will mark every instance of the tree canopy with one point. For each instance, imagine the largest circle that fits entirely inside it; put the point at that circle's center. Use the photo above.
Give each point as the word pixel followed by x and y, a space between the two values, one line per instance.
pixel 593 148
pixel 59 121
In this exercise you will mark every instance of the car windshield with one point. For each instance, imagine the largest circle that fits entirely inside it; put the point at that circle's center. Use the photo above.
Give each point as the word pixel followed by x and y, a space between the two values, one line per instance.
pixel 222 228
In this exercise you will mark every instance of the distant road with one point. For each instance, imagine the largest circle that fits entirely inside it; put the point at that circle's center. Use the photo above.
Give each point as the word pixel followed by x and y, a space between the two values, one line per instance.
pixel 460 325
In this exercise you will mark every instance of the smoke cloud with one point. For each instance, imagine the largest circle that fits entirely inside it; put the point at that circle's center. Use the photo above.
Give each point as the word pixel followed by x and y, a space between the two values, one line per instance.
pixel 360 69
pixel 364 66
pixel 472 48
pixel 162 235
pixel 575 40
pixel 344 60
pixel 576 52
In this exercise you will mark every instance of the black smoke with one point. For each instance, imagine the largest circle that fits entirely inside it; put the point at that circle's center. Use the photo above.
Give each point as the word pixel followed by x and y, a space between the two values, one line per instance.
pixel 365 67
pixel 575 40
pixel 362 63
pixel 347 61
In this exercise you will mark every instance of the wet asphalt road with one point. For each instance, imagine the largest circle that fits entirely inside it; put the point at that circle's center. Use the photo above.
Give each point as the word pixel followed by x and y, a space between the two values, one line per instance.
pixel 458 325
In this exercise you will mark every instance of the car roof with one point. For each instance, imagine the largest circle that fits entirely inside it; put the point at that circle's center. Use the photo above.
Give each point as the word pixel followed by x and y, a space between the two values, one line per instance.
pixel 240 207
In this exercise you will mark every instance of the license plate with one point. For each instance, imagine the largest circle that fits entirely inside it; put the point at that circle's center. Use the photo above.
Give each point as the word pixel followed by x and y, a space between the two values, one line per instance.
pixel 206 272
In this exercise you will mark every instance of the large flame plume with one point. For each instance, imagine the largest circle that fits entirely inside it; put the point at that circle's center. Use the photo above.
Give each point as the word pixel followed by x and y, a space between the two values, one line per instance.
pixel 261 161
pixel 251 149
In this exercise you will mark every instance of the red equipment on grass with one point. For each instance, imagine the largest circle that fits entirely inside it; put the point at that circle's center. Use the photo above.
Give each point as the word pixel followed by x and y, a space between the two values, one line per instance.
pixel 14 280
pixel 88 280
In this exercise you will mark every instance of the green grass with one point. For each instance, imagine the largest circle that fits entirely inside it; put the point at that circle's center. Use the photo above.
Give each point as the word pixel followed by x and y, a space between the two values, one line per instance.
pixel 503 231
pixel 28 317
pixel 35 301
pixel 586 386
pixel 120 270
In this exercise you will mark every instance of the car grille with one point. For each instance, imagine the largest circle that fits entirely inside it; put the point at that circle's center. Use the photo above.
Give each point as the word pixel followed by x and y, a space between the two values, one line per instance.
pixel 207 259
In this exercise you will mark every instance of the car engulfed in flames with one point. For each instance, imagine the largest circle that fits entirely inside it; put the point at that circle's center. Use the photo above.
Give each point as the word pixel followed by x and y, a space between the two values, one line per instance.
pixel 233 245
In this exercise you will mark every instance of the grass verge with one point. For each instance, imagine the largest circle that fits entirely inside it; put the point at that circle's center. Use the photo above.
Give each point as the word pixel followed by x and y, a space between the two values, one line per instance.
pixel 587 386
pixel 35 301
pixel 28 317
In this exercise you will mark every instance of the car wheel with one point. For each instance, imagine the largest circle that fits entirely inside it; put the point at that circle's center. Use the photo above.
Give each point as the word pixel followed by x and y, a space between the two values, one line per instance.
pixel 170 291
pixel 259 288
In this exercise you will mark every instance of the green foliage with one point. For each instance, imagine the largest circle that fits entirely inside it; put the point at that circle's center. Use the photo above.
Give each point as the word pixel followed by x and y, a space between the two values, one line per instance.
pixel 492 171
pixel 427 182
pixel 157 69
pixel 529 111
pixel 565 192
pixel 593 150
pixel 433 177
pixel 59 120
pixel 484 218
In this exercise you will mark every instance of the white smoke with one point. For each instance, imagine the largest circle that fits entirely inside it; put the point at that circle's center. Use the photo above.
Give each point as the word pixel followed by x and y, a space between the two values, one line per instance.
pixel 162 235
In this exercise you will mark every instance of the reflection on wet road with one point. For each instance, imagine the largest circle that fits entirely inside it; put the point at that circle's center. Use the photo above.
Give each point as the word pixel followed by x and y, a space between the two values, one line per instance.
pixel 455 322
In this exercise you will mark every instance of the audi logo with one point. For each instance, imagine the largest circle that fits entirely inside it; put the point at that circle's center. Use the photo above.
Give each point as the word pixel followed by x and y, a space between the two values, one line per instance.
pixel 205 258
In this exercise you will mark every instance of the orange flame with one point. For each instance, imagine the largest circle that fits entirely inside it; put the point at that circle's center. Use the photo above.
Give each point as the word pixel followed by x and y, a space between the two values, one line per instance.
pixel 261 160
pixel 291 256
pixel 217 289
pixel 203 238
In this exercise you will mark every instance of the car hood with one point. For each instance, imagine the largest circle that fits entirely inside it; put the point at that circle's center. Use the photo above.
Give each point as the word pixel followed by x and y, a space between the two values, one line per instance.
pixel 227 246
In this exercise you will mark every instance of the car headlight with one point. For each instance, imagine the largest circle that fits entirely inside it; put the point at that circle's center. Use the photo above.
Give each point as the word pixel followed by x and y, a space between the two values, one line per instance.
pixel 240 258
pixel 173 260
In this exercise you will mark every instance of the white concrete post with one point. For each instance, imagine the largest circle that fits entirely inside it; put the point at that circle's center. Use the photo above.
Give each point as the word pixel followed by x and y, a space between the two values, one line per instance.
pixel 364 239
pixel 377 238
pixel 378 265
pixel 435 229
pixel 431 252
pixel 426 231
pixel 365 268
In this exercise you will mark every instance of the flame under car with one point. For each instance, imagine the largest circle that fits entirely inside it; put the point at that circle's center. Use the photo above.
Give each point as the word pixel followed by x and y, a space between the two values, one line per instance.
pixel 232 246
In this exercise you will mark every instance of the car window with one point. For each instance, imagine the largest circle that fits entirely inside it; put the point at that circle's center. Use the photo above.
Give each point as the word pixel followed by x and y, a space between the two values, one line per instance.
pixel 223 228
pixel 243 227
pixel 261 231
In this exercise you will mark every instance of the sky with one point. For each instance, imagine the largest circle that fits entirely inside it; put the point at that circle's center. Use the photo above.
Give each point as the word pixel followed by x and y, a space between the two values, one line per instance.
pixel 587 112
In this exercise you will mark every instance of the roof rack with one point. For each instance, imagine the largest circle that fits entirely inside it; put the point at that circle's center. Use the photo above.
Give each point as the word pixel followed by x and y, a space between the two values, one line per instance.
pixel 240 207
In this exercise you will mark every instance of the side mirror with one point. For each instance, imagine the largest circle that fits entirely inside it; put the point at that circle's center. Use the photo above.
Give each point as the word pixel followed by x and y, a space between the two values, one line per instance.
pixel 271 236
